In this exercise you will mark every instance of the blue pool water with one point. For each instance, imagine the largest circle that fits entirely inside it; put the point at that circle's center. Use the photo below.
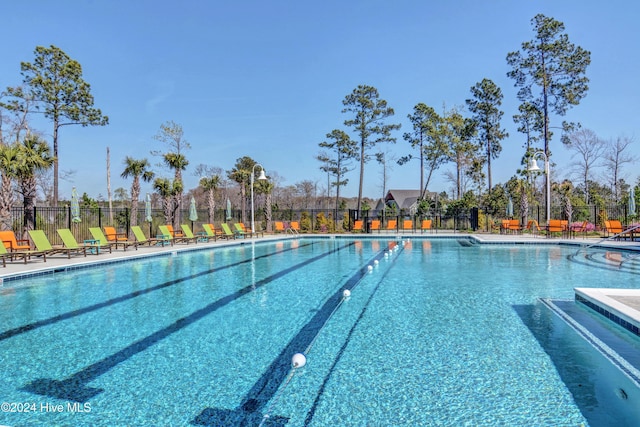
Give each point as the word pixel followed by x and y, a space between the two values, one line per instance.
pixel 437 333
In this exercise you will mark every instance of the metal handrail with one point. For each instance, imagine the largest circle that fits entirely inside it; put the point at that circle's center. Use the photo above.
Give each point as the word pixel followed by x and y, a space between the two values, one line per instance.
pixel 628 259
pixel 605 239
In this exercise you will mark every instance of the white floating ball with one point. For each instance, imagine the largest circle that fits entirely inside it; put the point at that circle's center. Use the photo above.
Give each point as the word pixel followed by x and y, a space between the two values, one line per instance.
pixel 346 293
pixel 298 360
pixel 369 268
pixel 376 262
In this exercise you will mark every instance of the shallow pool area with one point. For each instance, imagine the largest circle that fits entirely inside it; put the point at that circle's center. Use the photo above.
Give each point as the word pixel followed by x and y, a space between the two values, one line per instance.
pixel 436 331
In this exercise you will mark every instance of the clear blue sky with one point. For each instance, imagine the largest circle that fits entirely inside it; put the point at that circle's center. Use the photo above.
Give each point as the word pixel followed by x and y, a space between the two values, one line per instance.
pixel 267 78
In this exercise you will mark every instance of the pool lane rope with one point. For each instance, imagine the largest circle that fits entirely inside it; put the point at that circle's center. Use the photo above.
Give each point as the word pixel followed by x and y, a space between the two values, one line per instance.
pixel 300 359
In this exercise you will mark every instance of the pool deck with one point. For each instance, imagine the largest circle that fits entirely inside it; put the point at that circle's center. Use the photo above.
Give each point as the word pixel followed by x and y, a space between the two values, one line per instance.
pixel 622 303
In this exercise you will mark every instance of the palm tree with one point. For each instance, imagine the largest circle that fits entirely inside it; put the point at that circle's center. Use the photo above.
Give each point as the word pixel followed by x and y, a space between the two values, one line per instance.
pixel 8 161
pixel 177 162
pixel 136 169
pixel 241 174
pixel 33 155
pixel 266 188
pixel 210 185
pixel 167 191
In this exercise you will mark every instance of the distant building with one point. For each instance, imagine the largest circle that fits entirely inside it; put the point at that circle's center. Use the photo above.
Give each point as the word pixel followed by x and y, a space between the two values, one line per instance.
pixel 405 200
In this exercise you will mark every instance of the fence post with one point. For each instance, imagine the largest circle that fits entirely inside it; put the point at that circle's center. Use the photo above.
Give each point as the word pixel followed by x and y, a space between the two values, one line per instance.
pixel 127 222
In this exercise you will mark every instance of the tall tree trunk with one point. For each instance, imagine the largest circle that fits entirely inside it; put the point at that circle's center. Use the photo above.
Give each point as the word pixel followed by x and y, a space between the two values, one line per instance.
pixel 422 192
pixel 211 202
pixel 109 189
pixel 268 213
pixel 489 164
pixel 29 194
pixel 243 197
pixel 167 203
pixel 56 126
pixel 135 195
pixel 6 202
pixel 361 175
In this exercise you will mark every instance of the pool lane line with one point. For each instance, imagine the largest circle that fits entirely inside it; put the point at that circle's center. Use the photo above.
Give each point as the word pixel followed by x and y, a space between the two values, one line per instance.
pixel 327 377
pixel 71 314
pixel 75 387
pixel 266 387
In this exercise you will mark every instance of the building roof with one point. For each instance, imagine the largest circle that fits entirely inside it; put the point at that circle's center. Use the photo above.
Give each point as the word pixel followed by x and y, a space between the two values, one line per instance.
pixel 403 198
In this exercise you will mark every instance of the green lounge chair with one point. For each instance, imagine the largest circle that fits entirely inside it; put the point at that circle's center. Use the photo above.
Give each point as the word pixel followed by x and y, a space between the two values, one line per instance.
pixel 43 245
pixel 227 231
pixel 208 231
pixel 174 237
pixel 99 236
pixel 69 241
pixel 240 230
pixel 142 239
pixel 188 234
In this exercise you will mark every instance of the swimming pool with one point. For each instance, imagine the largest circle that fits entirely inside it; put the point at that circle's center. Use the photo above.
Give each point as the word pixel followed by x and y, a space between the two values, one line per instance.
pixel 437 333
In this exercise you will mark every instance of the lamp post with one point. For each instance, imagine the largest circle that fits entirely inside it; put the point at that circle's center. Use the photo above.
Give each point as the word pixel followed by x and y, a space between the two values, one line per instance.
pixel 261 177
pixel 533 167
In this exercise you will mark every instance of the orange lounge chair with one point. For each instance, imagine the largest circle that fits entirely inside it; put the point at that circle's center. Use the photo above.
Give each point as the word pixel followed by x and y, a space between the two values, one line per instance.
pixel 533 226
pixel 216 231
pixel 407 225
pixel 358 225
pixel 101 239
pixel 514 226
pixel 243 227
pixel 13 244
pixel 375 225
pixel 392 225
pixel 113 236
pixel 614 227
pixel 174 233
pixel 426 225
pixel 279 227
pixel 176 237
pixel 295 225
pixel 554 226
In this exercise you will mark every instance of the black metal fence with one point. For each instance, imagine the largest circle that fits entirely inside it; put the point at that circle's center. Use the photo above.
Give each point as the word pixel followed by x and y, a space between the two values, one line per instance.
pixel 50 219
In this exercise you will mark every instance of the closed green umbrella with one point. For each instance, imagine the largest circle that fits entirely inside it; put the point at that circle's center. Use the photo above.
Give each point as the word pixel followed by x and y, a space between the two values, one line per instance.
pixel 510 208
pixel 632 201
pixel 228 209
pixel 193 211
pixel 147 211
pixel 75 206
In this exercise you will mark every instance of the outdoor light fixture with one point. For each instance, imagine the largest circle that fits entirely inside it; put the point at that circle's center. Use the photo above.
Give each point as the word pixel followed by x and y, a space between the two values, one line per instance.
pixel 262 177
pixel 533 167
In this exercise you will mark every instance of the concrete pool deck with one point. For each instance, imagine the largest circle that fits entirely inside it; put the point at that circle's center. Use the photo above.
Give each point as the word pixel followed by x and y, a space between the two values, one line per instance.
pixel 623 304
